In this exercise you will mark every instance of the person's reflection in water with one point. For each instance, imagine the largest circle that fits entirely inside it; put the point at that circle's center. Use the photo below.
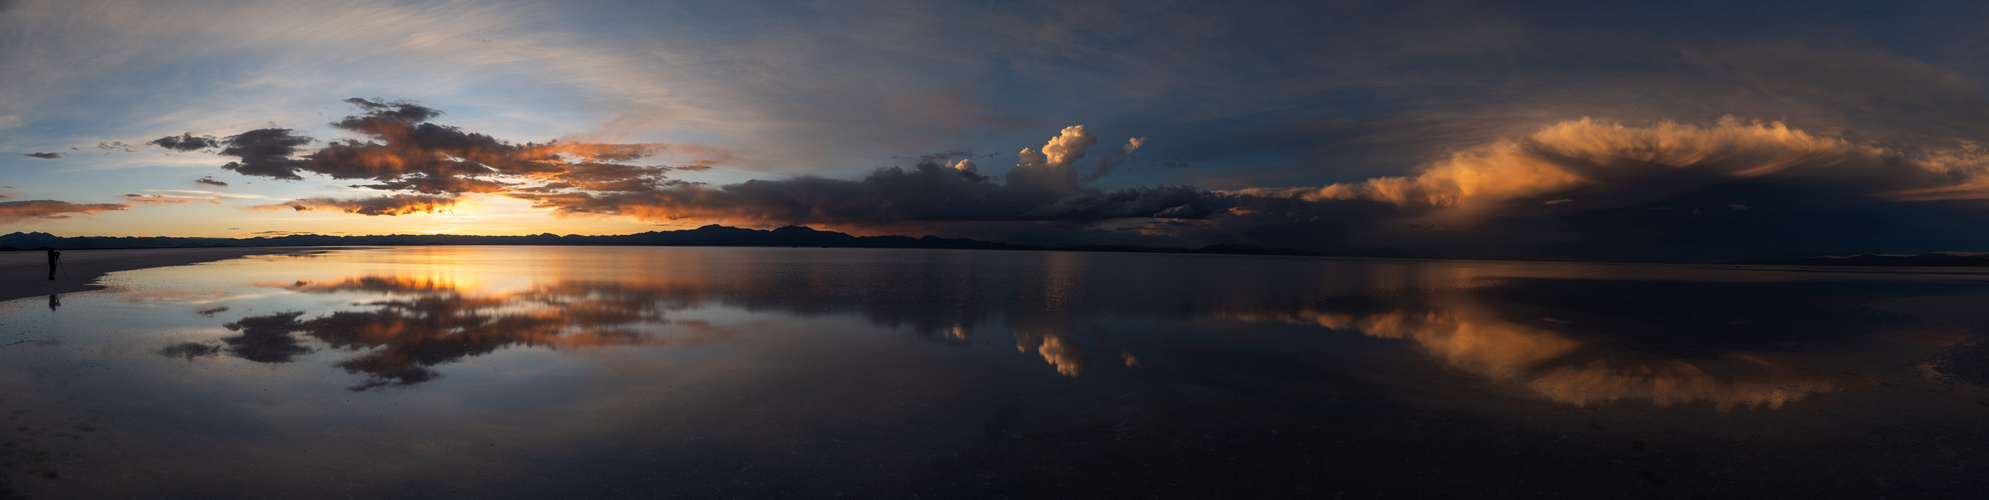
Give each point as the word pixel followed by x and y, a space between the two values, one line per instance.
pixel 54 301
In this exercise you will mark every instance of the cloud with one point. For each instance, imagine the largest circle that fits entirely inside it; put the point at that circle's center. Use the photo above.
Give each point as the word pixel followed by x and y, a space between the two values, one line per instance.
pixel 203 194
pixel 1612 164
pixel 399 204
pixel 6 194
pixel 186 142
pixel 265 153
pixel 114 146
pixel 209 180
pixel 45 156
pixel 1133 145
pixel 1052 168
pixel 15 212
pixel 155 199
pixel 406 152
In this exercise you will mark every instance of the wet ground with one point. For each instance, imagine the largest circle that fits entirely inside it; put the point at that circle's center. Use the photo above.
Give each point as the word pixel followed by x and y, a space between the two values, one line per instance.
pixel 561 372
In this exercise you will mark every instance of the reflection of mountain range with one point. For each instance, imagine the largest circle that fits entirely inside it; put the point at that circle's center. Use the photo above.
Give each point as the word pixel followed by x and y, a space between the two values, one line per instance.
pixel 712 235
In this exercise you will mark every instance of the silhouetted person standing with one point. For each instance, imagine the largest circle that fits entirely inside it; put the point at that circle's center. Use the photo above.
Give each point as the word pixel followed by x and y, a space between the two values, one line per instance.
pixel 54 258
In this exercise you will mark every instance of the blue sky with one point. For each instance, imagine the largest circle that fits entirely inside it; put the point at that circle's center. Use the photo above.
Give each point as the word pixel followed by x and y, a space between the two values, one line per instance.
pixel 1260 108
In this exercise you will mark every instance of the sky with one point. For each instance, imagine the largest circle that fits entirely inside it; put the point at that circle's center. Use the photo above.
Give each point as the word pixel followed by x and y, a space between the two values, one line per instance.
pixel 1670 131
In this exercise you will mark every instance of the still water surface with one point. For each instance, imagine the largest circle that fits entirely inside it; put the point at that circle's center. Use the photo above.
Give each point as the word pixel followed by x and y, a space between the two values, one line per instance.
pixel 556 372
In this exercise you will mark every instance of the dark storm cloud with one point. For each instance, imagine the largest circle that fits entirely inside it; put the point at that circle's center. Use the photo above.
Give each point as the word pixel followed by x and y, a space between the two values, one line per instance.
pixel 186 142
pixel 14 212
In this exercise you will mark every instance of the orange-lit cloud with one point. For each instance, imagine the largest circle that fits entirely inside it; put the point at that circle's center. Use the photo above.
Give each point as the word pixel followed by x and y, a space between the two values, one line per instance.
pixel 1590 154
pixel 15 212
pixel 1967 165
pixel 1602 165
pixel 1053 168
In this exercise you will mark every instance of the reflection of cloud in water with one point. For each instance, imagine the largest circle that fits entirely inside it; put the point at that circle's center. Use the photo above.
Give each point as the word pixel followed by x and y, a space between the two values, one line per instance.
pixel 1056 348
pixel 190 351
pixel 267 339
pixel 1474 339
pixel 428 322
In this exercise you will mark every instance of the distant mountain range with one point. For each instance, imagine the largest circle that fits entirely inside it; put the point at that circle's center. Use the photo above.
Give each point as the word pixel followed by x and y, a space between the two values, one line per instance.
pixel 712 235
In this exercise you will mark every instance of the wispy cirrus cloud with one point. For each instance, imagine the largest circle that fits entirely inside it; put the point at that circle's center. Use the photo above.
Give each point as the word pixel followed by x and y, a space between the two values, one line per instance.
pixel 154 199
pixel 168 199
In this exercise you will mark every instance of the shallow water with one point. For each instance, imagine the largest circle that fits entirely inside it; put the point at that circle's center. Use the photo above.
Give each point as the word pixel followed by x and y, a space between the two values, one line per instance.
pixel 550 372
